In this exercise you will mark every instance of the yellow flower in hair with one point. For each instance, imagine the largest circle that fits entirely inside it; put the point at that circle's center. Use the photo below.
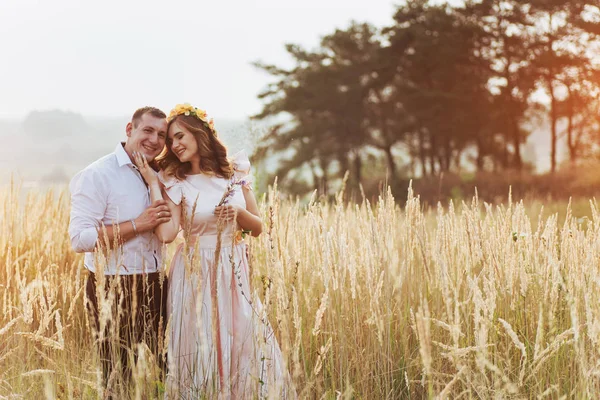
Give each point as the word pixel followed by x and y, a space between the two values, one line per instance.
pixel 200 114
pixel 183 108
pixel 187 110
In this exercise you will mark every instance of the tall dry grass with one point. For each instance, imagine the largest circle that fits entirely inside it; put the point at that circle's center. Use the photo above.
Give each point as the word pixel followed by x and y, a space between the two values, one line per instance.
pixel 367 300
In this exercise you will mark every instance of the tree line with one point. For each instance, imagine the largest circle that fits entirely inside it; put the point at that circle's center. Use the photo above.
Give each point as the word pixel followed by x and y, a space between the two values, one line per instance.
pixel 442 87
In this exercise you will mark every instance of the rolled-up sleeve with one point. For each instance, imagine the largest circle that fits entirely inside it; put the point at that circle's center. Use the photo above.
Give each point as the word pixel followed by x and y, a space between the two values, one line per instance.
pixel 88 205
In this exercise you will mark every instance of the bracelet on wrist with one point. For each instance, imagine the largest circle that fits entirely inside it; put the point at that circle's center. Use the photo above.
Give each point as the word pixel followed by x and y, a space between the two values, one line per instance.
pixel 134 227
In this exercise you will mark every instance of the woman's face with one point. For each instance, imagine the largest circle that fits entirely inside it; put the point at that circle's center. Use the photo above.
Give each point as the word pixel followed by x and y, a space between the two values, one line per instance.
pixel 183 143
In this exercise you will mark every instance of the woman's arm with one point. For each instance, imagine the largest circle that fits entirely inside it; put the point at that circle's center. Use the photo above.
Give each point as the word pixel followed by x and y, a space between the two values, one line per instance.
pixel 248 218
pixel 167 231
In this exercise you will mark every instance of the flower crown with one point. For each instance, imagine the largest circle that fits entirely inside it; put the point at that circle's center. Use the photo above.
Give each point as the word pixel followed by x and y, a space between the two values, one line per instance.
pixel 187 109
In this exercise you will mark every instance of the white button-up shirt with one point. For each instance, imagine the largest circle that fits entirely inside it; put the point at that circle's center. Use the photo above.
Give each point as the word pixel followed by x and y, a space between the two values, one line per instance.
pixel 107 192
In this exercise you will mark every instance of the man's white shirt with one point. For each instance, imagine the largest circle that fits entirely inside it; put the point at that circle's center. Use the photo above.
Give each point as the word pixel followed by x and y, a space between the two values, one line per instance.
pixel 108 192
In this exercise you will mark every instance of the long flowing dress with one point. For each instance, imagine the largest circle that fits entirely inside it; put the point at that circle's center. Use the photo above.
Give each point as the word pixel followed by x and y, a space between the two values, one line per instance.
pixel 219 342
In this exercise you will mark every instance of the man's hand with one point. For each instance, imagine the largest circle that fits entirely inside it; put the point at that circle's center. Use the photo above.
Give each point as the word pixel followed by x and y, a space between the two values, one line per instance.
pixel 158 213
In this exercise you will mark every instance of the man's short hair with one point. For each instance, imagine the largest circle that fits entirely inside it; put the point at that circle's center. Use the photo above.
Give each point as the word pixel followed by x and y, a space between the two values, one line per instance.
pixel 155 112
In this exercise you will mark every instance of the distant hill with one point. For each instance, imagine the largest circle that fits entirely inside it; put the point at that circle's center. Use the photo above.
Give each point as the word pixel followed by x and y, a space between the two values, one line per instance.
pixel 50 125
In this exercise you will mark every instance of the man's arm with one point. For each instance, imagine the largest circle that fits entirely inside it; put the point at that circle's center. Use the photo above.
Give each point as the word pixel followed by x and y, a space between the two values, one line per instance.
pixel 123 232
pixel 152 216
pixel 88 205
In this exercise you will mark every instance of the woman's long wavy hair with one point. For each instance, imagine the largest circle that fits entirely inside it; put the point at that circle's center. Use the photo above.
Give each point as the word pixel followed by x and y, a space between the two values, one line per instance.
pixel 213 153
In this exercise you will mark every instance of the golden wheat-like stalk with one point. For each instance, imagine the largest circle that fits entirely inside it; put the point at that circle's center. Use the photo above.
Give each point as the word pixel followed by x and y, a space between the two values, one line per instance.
pixel 368 300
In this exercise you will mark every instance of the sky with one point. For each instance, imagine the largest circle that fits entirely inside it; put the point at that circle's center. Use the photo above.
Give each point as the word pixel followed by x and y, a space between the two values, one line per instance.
pixel 107 58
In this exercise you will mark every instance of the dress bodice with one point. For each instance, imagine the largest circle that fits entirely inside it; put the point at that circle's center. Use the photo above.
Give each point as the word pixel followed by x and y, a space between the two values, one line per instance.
pixel 199 194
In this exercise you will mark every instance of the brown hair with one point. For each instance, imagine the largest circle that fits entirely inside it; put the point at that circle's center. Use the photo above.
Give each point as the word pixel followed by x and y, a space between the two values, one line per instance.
pixel 213 153
pixel 137 115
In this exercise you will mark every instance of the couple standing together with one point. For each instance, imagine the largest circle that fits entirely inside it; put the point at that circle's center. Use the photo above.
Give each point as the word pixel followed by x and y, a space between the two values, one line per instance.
pixel 202 315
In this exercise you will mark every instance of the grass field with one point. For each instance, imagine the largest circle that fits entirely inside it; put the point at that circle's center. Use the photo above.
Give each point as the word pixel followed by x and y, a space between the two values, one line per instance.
pixel 369 301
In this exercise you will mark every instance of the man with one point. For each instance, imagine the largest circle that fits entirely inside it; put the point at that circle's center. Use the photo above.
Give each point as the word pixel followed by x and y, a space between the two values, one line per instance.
pixel 112 221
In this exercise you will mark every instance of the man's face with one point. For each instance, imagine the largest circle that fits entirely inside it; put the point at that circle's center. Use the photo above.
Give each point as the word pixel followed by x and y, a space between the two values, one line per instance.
pixel 147 136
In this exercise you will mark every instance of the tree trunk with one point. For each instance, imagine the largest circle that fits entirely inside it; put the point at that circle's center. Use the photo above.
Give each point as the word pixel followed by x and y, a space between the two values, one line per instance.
pixel 447 154
pixel 516 139
pixel 422 153
pixel 412 154
pixel 553 122
pixel 357 168
pixel 391 164
pixel 456 160
pixel 570 139
pixel 324 185
pixel 505 156
pixel 480 154
pixel 515 131
pixel 344 164
pixel 432 154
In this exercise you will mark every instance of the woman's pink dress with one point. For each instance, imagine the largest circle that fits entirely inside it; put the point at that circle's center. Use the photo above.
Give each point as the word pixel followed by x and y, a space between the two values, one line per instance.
pixel 226 348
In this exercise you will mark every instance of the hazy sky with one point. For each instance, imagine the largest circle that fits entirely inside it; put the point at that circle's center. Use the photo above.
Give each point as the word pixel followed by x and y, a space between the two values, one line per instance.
pixel 106 58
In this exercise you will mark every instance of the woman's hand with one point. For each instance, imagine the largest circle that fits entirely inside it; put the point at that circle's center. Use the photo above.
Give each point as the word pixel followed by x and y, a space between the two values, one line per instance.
pixel 227 212
pixel 142 164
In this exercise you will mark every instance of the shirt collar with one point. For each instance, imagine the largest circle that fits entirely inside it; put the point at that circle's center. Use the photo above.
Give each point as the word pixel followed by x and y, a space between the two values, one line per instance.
pixel 122 156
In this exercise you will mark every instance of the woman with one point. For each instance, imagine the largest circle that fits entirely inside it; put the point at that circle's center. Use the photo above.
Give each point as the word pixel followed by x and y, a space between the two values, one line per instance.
pixel 217 344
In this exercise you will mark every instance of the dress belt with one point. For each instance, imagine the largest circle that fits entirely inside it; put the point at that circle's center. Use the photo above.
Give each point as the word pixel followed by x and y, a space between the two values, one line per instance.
pixel 210 241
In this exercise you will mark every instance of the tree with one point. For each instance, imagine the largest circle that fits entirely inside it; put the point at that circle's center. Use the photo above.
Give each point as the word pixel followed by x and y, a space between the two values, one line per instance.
pixel 446 84
pixel 441 80
pixel 325 97
pixel 564 32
